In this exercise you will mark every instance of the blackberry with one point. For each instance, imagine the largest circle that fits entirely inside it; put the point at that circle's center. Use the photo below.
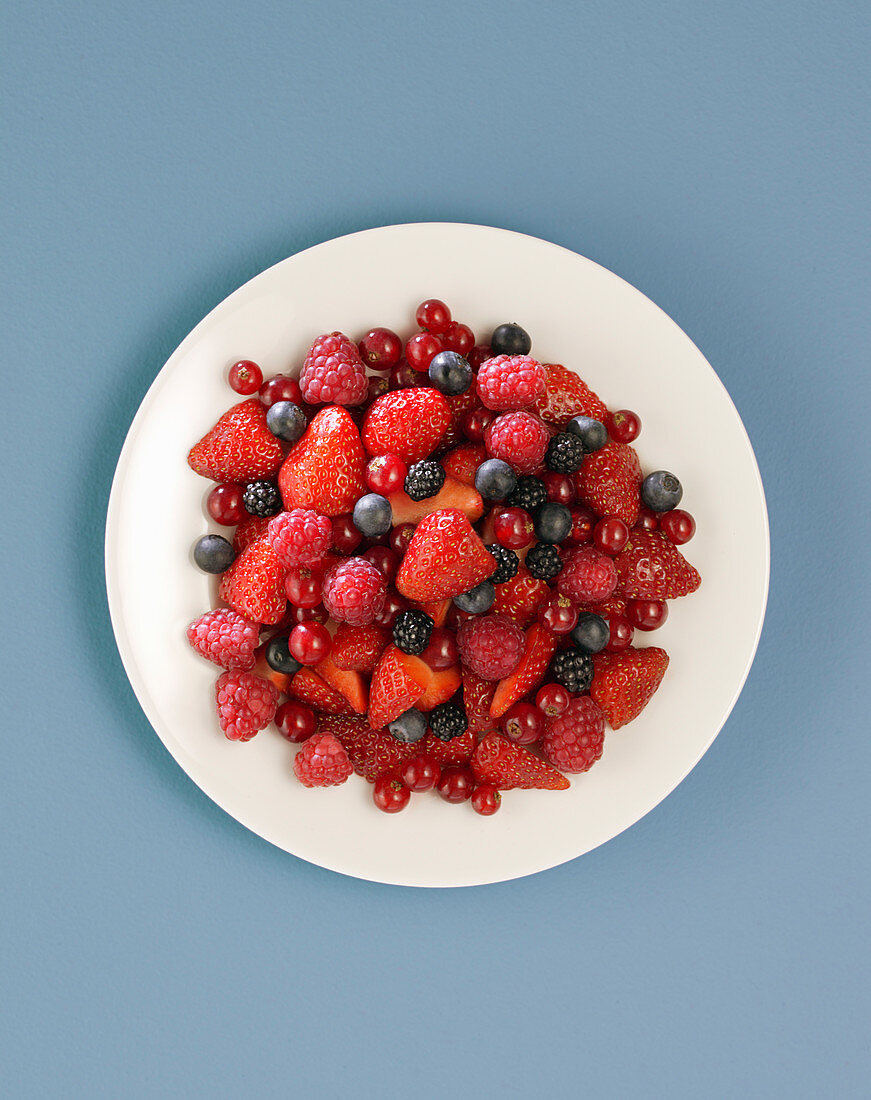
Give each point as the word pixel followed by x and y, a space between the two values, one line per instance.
pixel 507 563
pixel 543 561
pixel 448 721
pixel 529 494
pixel 262 498
pixel 573 669
pixel 565 453
pixel 411 631
pixel 424 479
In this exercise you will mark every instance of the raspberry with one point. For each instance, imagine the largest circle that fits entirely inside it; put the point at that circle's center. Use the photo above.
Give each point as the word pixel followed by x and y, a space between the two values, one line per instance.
pixel 246 703
pixel 587 576
pixel 509 382
pixel 354 591
pixel 300 537
pixel 573 741
pixel 491 646
pixel 322 762
pixel 519 438
pixel 225 637
pixel 333 372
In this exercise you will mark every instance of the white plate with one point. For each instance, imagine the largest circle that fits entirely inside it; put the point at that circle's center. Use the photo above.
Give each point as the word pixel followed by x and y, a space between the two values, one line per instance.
pixel 579 314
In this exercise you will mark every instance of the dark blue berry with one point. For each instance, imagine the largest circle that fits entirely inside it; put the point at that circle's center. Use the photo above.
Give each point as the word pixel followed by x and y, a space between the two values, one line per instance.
pixel 661 491
pixel 278 656
pixel 286 421
pixel 424 479
pixel 495 480
pixel 478 599
pixel 552 522
pixel 450 373
pixel 262 498
pixel 409 726
pixel 592 433
pixel 591 632
pixel 510 339
pixel 213 554
pixel 373 516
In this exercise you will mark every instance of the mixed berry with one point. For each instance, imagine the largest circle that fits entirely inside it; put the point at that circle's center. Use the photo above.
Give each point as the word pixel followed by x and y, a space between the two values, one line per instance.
pixel 442 553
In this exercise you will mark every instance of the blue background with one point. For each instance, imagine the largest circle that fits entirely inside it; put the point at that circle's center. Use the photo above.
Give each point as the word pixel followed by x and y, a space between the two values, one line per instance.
pixel 155 157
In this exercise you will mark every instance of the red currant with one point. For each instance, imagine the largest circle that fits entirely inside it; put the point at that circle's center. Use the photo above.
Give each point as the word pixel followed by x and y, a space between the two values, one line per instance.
pixel 479 354
pixel 559 487
pixel 583 522
pixel 647 520
pixel 486 800
pixel 224 504
pixel 385 474
pixel 474 422
pixel 456 784
pixel 318 614
pixel 456 617
pixel 309 643
pixel 378 385
pixel 390 793
pixel 677 525
pixel 245 377
pixel 552 700
pixel 442 651
pixel 420 773
pixel 295 721
pixel 610 535
pixel 420 349
pixel 624 426
pixel 622 632
pixel 384 559
pixel 380 349
pixel 280 387
pixel 433 316
pixel 458 338
pixel 512 528
pixel 404 376
pixel 303 587
pixel 393 604
pixel 523 723
pixel 558 615
pixel 647 614
pixel 346 537
pixel 400 537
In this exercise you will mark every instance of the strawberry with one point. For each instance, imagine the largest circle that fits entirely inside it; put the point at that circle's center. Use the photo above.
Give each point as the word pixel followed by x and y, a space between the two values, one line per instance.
pixel 350 685
pixel 623 682
pixel 240 447
pixel 540 647
pixel 325 469
pixel 609 482
pixel 372 752
pixel 614 605
pixel 453 494
pixel 281 680
pixel 567 395
pixel 507 765
pixel 458 750
pixel 309 688
pixel 462 462
pixel 477 697
pixel 254 584
pixel 520 598
pixel 249 530
pixel 444 558
pixel 436 609
pixel 398 681
pixel 357 648
pixel 445 683
pixel 410 423
pixel 652 568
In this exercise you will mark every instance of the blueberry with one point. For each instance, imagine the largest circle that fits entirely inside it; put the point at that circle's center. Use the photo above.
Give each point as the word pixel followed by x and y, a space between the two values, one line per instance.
pixel 408 727
pixel 495 480
pixel 373 515
pixel 591 633
pixel 478 599
pixel 450 373
pixel 510 339
pixel 278 656
pixel 213 554
pixel 552 522
pixel 592 433
pixel 661 491
pixel 286 421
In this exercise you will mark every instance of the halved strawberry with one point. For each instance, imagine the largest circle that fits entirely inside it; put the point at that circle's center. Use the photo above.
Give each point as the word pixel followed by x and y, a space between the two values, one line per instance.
pixel 398 681
pixel 444 684
pixel 254 584
pixel 350 685
pixel 567 395
pixel 520 598
pixel 652 568
pixel 458 750
pixel 540 647
pixel 410 423
pixel 372 752
pixel 262 668
pixel 240 447
pixel 609 482
pixel 436 609
pixel 358 648
pixel 462 462
pixel 325 469
pixel 477 697
pixel 453 494
pixel 507 765
pixel 624 681
pixel 444 558
pixel 309 688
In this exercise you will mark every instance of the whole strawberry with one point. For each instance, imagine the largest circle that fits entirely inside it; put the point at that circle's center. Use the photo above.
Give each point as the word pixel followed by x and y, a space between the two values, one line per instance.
pixel 333 372
pixel 609 482
pixel 624 682
pixel 254 584
pixel 573 742
pixel 325 469
pixel 226 638
pixel 322 762
pixel 444 558
pixel 239 448
pixel 246 704
pixel 567 395
pixel 652 568
pixel 410 423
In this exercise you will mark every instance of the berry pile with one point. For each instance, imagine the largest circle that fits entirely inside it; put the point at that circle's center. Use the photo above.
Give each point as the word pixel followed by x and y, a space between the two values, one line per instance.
pixel 442 552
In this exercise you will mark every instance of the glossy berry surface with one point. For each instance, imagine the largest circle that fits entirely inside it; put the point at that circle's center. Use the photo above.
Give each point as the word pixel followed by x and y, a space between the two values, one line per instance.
pixel 552 522
pixel 456 784
pixel 495 480
pixel 661 491
pixel 303 586
pixel 409 727
pixel 412 631
pixel 261 498
pixel 543 561
pixel 346 537
pixel 245 377
pixel 373 515
pixel 424 479
pixel 478 599
pixel 384 559
pixel 677 525
pixel 573 669
pixel 309 643
pixel 286 421
pixel 558 615
pixel 513 528
pixel 442 651
pixel 591 632
pixel 479 354
pixel 385 474
pixel 421 349
pixel 393 604
pixel 565 453
pixel 458 338
pixel 380 349
pixel 474 422
pixel 279 657
pixel 280 387
pixel 295 721
pixel 592 433
pixel 647 520
pixel 624 426
pixel 647 614
pixel 610 535
pixel 224 505
pixel 507 563
pixel 620 633
pixel 450 373
pixel 583 522
pixel 559 488
pixel 486 799
pixel 213 554
pixel 523 723
pixel 433 316
pixel 420 773
pixel 400 537
pixel 390 794
pixel 552 700
pixel 510 339
pixel 529 493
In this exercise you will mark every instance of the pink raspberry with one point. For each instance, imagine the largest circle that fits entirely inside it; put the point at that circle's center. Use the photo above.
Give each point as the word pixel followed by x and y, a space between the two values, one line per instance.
pixel 509 382
pixel 587 576
pixel 300 537
pixel 354 591
pixel 518 438
pixel 333 372
pixel 246 703
pixel 322 762
pixel 225 637
pixel 490 646
pixel 573 742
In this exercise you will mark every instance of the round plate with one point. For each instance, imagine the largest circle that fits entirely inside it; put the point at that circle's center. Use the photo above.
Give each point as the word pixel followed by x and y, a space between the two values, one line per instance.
pixel 579 314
